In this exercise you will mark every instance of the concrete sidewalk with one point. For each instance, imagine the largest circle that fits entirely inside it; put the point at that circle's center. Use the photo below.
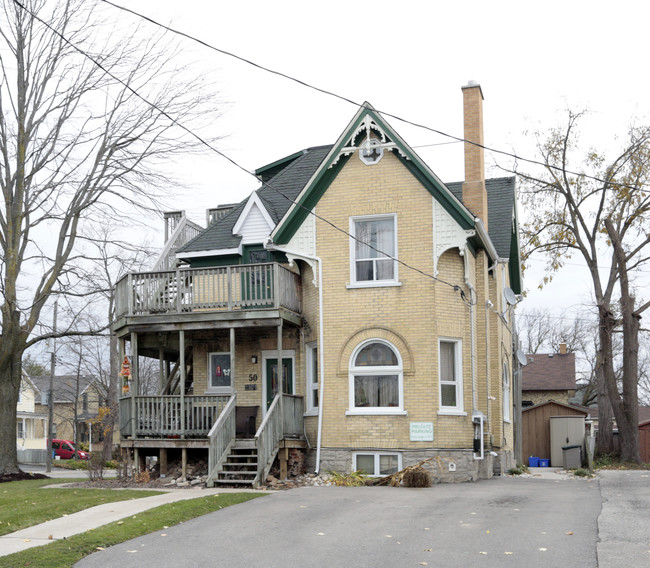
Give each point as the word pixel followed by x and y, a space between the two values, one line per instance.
pixel 94 517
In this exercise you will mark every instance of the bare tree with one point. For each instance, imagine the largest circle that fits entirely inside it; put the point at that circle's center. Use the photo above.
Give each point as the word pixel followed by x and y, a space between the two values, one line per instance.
pixel 89 119
pixel 600 216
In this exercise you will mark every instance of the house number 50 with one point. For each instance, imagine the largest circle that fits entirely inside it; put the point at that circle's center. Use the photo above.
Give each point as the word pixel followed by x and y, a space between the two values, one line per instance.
pixel 252 377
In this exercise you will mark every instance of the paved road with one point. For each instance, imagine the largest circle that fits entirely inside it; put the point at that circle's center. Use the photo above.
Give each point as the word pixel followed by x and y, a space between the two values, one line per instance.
pixel 500 522
pixel 624 524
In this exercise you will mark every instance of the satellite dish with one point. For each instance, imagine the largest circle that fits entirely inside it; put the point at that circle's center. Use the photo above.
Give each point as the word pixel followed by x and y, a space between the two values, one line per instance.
pixel 521 357
pixel 510 296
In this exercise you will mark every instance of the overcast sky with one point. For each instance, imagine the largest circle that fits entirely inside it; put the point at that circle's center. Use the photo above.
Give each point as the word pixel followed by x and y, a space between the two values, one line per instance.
pixel 409 59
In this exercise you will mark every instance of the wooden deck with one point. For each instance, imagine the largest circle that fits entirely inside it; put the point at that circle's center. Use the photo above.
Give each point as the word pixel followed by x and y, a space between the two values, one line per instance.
pixel 200 290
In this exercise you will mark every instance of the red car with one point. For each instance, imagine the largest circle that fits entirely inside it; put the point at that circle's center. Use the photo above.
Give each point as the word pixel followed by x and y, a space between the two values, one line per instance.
pixel 65 450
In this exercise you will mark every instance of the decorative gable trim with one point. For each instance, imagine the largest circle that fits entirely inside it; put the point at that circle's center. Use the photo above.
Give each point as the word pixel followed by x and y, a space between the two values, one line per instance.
pixel 366 120
pixel 447 234
pixel 254 224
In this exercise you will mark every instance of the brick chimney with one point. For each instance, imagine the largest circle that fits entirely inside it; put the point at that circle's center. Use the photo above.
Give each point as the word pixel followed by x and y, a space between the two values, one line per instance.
pixel 562 348
pixel 474 193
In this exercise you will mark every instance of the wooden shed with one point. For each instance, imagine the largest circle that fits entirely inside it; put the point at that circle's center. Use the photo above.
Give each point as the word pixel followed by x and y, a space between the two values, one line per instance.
pixel 536 426
pixel 644 441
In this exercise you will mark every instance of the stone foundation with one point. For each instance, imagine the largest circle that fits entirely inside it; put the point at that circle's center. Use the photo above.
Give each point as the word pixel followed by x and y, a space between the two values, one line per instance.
pixel 447 466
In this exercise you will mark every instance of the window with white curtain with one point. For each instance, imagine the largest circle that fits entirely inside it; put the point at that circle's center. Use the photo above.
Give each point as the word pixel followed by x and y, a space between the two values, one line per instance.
pixel 450 369
pixel 373 250
pixel 376 378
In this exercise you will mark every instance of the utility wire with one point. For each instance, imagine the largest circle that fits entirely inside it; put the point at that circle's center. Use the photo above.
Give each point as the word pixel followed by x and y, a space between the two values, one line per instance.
pixel 350 101
pixel 455 287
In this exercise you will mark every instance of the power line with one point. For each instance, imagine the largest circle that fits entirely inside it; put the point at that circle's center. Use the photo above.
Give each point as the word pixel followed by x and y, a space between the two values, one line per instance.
pixel 357 104
pixel 455 287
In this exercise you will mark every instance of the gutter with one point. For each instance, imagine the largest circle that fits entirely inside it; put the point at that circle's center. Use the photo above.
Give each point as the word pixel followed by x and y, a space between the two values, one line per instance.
pixel 270 246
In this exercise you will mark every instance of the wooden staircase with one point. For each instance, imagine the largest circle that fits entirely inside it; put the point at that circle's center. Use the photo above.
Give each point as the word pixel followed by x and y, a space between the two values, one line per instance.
pixel 240 466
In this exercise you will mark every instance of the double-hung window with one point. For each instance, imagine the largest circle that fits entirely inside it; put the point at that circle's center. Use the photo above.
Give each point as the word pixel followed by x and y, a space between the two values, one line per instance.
pixel 373 250
pixel 451 383
pixel 376 379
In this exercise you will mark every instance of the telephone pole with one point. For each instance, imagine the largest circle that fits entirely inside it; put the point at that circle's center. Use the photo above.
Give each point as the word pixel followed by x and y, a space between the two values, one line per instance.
pixel 50 398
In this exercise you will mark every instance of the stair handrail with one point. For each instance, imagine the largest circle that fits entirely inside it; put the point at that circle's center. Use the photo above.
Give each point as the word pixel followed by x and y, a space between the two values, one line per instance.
pixel 267 438
pixel 221 438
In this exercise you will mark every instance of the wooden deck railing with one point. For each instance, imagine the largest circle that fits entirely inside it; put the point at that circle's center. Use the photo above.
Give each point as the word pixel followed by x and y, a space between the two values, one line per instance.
pixel 234 287
pixel 283 418
pixel 163 416
pixel 222 437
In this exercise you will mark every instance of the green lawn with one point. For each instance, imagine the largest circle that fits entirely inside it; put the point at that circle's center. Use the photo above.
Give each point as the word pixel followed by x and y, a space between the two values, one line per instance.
pixel 25 503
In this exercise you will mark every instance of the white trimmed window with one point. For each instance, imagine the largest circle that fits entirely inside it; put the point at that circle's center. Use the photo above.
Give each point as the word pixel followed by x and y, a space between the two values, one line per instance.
pixel 373 250
pixel 377 464
pixel 219 379
pixel 312 378
pixel 451 378
pixel 376 379
pixel 506 392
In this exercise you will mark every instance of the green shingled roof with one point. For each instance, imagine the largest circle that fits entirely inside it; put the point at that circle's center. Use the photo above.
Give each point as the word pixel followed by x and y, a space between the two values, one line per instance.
pixel 286 183
pixel 285 179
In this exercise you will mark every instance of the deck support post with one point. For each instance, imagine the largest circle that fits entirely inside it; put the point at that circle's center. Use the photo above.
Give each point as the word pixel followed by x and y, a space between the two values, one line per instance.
pixel 283 456
pixel 279 367
pixel 135 384
pixel 136 461
pixel 181 338
pixel 162 368
pixel 163 462
pixel 184 463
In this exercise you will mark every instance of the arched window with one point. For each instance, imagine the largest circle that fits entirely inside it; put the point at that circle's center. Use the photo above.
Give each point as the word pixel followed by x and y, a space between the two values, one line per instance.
pixel 376 378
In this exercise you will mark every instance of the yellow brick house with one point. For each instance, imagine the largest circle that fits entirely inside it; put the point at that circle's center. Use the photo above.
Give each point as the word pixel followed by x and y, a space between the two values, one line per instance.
pixel 386 294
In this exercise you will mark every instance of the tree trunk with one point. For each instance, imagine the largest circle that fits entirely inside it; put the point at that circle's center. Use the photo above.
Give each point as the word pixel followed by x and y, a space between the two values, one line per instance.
pixel 626 406
pixel 605 438
pixel 10 377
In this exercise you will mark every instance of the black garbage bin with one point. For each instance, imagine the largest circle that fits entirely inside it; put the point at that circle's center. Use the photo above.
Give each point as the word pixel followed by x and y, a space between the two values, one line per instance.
pixel 572 456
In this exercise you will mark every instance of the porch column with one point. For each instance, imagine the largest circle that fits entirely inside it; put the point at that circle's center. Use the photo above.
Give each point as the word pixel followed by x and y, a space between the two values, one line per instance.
pixel 280 373
pixel 181 344
pixel 232 359
pixel 162 368
pixel 135 383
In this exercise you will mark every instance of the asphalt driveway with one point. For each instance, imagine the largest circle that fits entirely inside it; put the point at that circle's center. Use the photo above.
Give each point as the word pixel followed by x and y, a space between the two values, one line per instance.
pixel 499 522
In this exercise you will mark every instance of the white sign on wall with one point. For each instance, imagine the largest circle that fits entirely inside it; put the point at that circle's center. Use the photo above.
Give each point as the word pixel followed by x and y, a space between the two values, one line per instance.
pixel 421 431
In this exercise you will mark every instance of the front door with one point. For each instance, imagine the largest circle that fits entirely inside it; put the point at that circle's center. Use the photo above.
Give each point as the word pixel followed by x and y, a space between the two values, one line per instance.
pixel 272 378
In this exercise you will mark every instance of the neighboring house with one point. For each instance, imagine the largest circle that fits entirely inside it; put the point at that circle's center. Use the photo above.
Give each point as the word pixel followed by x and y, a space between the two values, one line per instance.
pixel 31 423
pixel 77 399
pixel 384 294
pixel 549 377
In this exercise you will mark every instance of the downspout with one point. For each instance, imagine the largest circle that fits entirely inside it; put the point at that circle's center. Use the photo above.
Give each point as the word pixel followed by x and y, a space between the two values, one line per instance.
pixel 472 323
pixel 321 355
